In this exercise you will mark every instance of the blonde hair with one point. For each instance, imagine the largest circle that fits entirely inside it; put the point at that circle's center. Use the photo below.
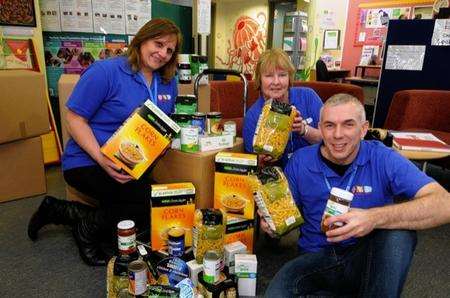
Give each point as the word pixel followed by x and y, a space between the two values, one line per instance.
pixel 343 98
pixel 151 30
pixel 270 60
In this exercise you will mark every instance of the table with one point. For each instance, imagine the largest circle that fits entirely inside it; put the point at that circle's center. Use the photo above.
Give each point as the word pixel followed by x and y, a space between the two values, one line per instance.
pixel 422 156
pixel 198 168
pixel 364 67
pixel 360 81
pixel 338 73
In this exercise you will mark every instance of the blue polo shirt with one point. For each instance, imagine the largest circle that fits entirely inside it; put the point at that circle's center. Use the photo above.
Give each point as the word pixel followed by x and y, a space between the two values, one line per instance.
pixel 381 175
pixel 106 94
pixel 304 99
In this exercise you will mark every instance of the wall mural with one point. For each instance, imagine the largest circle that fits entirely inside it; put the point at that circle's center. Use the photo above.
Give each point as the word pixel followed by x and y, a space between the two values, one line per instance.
pixel 247 43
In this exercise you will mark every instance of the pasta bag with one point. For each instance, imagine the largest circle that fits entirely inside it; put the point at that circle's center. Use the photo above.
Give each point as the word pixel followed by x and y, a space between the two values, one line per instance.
pixel 273 128
pixel 208 232
pixel 274 200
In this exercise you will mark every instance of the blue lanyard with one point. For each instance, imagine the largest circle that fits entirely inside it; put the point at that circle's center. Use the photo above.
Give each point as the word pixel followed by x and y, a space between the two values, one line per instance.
pixel 350 180
pixel 153 92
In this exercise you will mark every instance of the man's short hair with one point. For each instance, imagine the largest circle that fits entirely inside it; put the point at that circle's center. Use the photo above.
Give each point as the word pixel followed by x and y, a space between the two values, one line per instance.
pixel 343 98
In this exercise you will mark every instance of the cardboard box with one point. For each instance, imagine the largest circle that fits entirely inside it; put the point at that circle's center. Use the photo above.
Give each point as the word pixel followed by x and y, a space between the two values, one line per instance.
pixel 239 229
pixel 232 188
pixel 23 109
pixel 197 168
pixel 22 165
pixel 66 84
pixel 172 207
pixel 204 95
pixel 246 269
pixel 230 250
pixel 141 139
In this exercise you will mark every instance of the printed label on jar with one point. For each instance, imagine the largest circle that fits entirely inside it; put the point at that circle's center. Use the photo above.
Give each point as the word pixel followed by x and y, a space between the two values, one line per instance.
pixel 126 243
pixel 184 75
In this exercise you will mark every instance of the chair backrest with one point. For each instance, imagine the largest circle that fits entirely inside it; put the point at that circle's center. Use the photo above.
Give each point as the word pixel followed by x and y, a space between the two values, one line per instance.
pixel 322 71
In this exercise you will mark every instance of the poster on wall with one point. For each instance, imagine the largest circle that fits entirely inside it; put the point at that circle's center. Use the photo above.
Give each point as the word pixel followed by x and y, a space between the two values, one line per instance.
pixel 76 15
pixel 137 12
pixel 15 54
pixel 441 33
pixel 108 16
pixel 50 17
pixel 401 57
pixel 327 19
pixel 379 17
pixel 73 54
pixel 17 13
pixel 204 17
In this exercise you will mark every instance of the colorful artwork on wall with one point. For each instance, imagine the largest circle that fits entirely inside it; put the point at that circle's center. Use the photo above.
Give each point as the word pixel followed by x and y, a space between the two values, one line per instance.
pixel 17 13
pixel 247 43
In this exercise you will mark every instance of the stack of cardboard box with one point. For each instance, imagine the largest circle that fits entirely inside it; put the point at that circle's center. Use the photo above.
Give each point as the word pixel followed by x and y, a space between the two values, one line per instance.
pixel 23 118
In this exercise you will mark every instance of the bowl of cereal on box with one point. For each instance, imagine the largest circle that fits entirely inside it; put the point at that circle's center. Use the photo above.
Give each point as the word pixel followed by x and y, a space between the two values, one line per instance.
pixel 130 153
pixel 234 203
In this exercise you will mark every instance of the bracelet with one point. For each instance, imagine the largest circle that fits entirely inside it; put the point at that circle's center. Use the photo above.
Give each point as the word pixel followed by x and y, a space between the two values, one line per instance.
pixel 303 134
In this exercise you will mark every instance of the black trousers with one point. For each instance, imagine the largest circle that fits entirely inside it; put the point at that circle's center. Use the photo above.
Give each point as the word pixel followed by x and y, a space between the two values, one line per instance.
pixel 117 201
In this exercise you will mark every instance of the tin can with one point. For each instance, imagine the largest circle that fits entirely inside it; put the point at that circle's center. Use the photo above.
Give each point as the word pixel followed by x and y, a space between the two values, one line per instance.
pixel 176 242
pixel 211 266
pixel 199 120
pixel 213 123
pixel 229 128
pixel 189 139
pixel 137 277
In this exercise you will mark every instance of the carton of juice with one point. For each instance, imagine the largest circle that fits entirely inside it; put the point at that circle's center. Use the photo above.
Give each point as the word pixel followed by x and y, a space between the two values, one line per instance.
pixel 141 139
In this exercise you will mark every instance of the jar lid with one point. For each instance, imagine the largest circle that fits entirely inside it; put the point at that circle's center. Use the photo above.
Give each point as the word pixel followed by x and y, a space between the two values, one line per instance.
pixel 125 224
pixel 341 193
pixel 183 58
pixel 203 59
pixel 194 58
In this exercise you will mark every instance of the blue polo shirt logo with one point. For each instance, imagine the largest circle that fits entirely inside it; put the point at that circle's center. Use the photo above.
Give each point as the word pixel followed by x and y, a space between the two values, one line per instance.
pixel 362 189
pixel 164 97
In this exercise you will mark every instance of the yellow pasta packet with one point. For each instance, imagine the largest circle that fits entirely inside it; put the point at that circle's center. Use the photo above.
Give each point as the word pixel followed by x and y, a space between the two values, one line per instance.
pixel 274 200
pixel 208 232
pixel 273 128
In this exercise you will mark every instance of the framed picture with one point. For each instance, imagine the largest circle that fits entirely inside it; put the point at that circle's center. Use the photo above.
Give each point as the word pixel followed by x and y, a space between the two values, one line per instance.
pixel 17 13
pixel 331 39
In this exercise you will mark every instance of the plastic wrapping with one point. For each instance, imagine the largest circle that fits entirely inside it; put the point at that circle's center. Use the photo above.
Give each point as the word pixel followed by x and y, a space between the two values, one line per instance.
pixel 274 200
pixel 273 129
pixel 208 232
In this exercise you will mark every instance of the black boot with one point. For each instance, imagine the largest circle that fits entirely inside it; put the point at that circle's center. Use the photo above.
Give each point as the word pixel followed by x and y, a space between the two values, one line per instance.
pixel 88 233
pixel 56 211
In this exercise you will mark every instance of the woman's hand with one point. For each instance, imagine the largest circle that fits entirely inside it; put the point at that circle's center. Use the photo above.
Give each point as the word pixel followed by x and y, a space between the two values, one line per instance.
pixel 299 124
pixel 264 159
pixel 113 170
pixel 265 226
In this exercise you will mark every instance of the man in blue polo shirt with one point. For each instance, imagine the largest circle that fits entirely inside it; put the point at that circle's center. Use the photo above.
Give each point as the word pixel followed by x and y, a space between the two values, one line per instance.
pixel 370 254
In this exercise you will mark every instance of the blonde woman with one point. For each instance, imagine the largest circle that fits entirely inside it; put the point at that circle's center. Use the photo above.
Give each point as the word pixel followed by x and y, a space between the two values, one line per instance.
pixel 274 76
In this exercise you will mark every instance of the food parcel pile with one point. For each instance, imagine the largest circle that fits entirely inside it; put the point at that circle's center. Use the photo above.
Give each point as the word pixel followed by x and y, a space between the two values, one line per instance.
pixel 196 252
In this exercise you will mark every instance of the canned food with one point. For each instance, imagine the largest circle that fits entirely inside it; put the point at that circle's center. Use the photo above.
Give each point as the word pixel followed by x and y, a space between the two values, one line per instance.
pixel 186 104
pixel 211 266
pixel 213 123
pixel 199 120
pixel 176 242
pixel 229 128
pixel 189 139
pixel 137 277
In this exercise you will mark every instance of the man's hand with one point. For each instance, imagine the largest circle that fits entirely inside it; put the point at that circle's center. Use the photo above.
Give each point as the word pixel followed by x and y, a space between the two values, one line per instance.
pixel 264 159
pixel 357 223
pixel 113 170
pixel 265 226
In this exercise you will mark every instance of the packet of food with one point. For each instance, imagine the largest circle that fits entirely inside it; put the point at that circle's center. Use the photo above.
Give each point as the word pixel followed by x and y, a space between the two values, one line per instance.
pixel 274 200
pixel 273 128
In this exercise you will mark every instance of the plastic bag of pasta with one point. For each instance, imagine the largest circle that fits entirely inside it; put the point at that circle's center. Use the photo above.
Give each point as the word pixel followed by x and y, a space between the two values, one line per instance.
pixel 274 200
pixel 273 128
pixel 208 232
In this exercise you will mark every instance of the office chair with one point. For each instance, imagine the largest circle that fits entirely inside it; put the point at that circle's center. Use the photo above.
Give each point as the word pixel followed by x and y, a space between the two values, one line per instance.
pixel 322 74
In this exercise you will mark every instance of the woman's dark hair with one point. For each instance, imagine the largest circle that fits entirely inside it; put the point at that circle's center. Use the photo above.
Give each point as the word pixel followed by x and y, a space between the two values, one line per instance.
pixel 151 30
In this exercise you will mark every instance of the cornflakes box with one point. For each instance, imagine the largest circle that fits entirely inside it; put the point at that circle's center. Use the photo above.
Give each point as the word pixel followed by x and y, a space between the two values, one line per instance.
pixel 232 188
pixel 239 229
pixel 141 139
pixel 173 206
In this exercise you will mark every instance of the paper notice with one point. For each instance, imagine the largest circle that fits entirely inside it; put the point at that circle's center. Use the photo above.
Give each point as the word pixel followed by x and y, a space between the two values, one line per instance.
pixel 405 57
pixel 204 17
pixel 441 33
pixel 362 36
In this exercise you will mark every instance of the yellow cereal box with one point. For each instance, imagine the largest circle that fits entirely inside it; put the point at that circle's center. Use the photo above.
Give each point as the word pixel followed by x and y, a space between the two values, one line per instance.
pixel 232 190
pixel 173 206
pixel 239 229
pixel 141 139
